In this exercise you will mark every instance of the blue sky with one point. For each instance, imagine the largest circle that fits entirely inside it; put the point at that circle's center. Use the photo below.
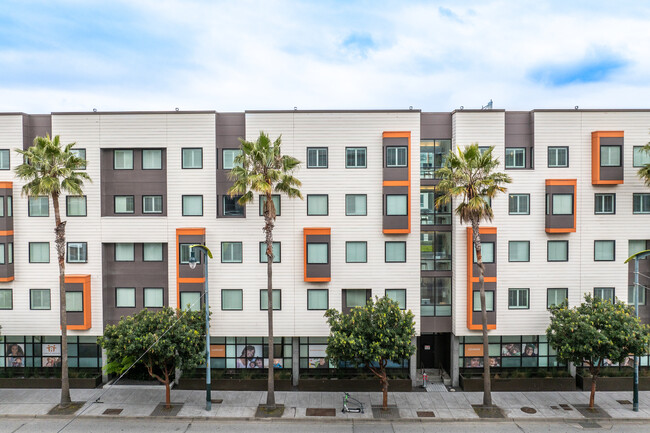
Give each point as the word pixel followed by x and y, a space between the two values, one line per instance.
pixel 78 55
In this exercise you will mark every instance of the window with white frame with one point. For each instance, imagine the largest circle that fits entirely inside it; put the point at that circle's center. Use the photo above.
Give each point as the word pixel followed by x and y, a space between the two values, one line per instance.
pixel 397 156
pixel 356 252
pixel 154 297
pixel 519 204
pixel 317 157
pixel 125 297
pixel 556 296
pixel 38 206
pixel 640 156
pixel 192 158
pixel 152 204
pixel 610 156
pixel 75 205
pixel 77 252
pixel 395 252
pixel 557 251
pixel 355 204
pixel 641 203
pixel 515 157
pixel 277 258
pixel 276 296
pixel 152 252
pixel 74 302
pixel 317 253
pixel 355 157
pixel 317 299
pixel 396 204
pixel 124 204
pixel 558 156
pixel 151 159
pixel 518 299
pixel 231 252
pixel 191 301
pixel 39 299
pixel 489 300
pixel 229 156
pixel 39 252
pixel 397 295
pixel 317 204
pixel 605 203
pixel 604 251
pixel 124 252
pixel 123 159
pixel 192 205
pixel 519 251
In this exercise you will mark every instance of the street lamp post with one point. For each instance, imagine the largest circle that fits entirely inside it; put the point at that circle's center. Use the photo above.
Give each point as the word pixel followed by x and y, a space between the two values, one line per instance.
pixel 193 261
pixel 636 257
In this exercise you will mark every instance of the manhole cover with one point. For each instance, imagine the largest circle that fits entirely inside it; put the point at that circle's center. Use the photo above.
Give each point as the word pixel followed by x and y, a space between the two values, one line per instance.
pixel 426 414
pixel 624 401
pixel 529 410
pixel 314 411
pixel 113 411
pixel 565 406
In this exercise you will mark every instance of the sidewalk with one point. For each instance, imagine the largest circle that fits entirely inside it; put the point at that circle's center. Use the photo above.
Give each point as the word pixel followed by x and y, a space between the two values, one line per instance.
pixel 445 406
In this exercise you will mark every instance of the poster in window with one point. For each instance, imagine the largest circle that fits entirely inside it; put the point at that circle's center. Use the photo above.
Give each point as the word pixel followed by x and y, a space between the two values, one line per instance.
pixel 529 349
pixel 317 356
pixel 277 363
pixel 250 356
pixel 473 350
pixel 15 355
pixel 51 349
pixel 474 362
pixel 217 351
pixel 511 349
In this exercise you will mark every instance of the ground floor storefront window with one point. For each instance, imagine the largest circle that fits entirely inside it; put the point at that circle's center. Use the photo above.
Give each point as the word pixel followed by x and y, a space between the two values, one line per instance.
pixel 507 352
pixel 45 352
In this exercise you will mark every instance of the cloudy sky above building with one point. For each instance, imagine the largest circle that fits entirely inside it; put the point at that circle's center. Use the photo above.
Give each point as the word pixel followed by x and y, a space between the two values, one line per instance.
pixel 78 55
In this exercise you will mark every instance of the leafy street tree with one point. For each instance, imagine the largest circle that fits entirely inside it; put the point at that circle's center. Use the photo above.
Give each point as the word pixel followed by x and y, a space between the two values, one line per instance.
pixel 261 168
pixel 594 331
pixel 470 175
pixel 644 172
pixel 168 339
pixel 371 336
pixel 52 170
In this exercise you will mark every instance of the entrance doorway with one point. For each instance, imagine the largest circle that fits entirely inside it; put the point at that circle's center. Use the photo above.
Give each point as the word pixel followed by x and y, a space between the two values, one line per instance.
pixel 434 351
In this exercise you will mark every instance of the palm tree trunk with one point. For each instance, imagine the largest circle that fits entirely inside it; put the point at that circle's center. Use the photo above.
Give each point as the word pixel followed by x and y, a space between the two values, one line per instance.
pixel 268 229
pixel 59 231
pixel 487 385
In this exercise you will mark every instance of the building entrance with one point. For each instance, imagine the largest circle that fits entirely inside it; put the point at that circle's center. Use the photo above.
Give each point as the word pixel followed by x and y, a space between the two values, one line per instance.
pixel 434 351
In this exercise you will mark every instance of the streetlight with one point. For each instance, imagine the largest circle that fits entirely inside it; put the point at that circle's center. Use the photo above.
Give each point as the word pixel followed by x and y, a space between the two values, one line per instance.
pixel 636 257
pixel 193 261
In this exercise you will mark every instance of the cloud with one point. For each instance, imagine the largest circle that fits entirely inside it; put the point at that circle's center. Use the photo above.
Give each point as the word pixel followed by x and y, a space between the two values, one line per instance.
pixel 590 69
pixel 448 13
pixel 359 43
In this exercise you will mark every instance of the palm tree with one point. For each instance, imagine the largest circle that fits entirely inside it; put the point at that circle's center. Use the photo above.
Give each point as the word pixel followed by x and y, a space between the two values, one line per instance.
pixel 50 170
pixel 469 174
pixel 261 168
pixel 644 172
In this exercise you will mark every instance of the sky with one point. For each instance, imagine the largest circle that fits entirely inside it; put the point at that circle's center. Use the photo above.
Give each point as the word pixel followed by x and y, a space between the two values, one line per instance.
pixel 236 55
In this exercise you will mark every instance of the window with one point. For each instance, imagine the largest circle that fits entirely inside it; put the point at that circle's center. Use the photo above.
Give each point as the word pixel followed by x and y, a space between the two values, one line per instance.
pixel 152 252
pixel 74 302
pixel 276 252
pixel 79 153
pixel 317 299
pixel 397 156
pixel 192 158
pixel 2 254
pixel 556 297
pixel 604 251
pixel 356 252
pixel 640 157
pixel 429 212
pixel 635 246
pixel 152 159
pixel 605 203
pixel 518 299
pixel 276 202
pixel 231 206
pixel 484 149
pixel 604 293
pixel 191 301
pixel 125 297
pixel 515 157
pixel 75 205
pixel 124 204
pixel 122 159
pixel 231 299
pixel 562 204
pixel 152 204
pixel 276 296
pixel 396 204
pixel 558 157
pixel 610 156
pixel 435 251
pixel 154 297
pixel 192 205
pixel 39 299
pixel 397 295
pixel 489 300
pixel 4 159
pixel 77 252
pixel 355 157
pixel 6 299
pixel 395 252
pixel 433 154
pixel 519 251
pixel 10 206
pixel 355 204
pixel 630 295
pixel 487 252
pixel 231 252
pixel 435 296
pixel 185 253
pixel 355 297
pixel 317 204
pixel 229 156
pixel 10 252
pixel 124 252
pixel 557 251
pixel 317 157
pixel 317 253
pixel 641 203
pixel 39 252
pixel 519 204
pixel 39 206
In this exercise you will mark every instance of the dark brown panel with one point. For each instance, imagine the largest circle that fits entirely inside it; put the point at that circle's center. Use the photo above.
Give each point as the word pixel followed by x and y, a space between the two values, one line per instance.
pixel 230 127
pixel 6 270
pixel 184 270
pixel 319 270
pixel 136 182
pixel 392 222
pixel 490 268
pixel 344 308
pixel 35 125
pixel 559 221
pixel 75 317
pixel 613 173
pixel 519 132
pixel 6 222
pixel 435 324
pixel 491 315
pixel 395 173
pixel 435 126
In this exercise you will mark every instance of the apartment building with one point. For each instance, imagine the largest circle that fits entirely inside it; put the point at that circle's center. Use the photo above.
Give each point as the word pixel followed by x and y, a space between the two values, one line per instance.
pixel 574 212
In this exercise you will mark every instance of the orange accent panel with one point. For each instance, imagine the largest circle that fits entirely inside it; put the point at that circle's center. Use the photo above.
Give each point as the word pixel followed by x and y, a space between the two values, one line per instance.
pixel 394 231
pixel 192 231
pixel 191 280
pixel 85 280
pixel 6 185
pixel 595 157
pixel 312 232
pixel 396 183
pixel 407 135
pixel 6 279
pixel 471 279
pixel 574 184
pixel 7 233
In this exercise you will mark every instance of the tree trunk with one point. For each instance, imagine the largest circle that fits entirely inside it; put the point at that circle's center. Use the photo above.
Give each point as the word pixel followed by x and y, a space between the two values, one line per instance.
pixel 384 389
pixel 59 232
pixel 595 371
pixel 268 229
pixel 487 384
